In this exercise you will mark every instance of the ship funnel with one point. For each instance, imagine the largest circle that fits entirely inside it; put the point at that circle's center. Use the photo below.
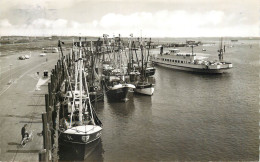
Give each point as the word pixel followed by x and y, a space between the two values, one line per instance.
pixel 161 50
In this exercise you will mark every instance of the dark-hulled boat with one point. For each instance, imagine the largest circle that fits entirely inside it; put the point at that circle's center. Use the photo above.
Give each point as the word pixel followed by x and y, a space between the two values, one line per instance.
pixel 79 122
pixel 117 89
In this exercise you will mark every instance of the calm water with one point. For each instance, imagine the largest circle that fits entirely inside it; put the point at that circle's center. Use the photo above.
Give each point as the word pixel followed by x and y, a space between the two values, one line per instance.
pixel 189 117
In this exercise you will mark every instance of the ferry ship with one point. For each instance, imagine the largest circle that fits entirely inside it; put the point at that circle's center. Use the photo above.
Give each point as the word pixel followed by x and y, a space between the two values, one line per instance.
pixel 190 62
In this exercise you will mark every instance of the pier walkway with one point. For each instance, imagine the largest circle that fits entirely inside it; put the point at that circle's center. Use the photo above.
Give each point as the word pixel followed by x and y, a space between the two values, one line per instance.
pixel 22 104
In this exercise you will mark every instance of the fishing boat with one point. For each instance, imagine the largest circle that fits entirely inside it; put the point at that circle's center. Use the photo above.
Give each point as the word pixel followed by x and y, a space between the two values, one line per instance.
pixel 95 76
pixel 116 86
pixel 82 125
pixel 149 69
pixel 79 123
pixel 142 86
pixel 191 62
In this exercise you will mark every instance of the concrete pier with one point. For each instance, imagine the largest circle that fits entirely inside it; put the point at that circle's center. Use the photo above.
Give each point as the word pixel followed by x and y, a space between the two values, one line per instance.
pixel 22 104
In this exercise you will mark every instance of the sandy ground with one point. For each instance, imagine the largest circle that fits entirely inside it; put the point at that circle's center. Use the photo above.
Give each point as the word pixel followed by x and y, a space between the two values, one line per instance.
pixel 21 103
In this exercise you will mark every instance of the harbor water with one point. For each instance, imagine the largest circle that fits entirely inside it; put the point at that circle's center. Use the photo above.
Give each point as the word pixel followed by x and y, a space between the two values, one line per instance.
pixel 190 116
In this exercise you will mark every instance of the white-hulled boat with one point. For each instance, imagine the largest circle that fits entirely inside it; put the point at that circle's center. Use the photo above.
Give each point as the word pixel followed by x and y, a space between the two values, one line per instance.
pixel 142 86
pixel 191 62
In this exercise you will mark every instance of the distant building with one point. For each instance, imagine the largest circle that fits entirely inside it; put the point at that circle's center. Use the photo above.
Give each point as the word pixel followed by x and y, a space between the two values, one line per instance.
pixel 50 50
pixel 192 43
pixel 54 37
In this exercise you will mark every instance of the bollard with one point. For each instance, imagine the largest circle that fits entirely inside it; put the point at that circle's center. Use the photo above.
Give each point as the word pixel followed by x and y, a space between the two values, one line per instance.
pixel 46 102
pixel 44 131
pixel 43 155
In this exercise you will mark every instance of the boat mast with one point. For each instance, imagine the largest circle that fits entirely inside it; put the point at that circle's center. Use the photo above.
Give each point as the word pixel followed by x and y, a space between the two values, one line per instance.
pixel 119 52
pixel 192 49
pixel 89 102
pixel 149 46
pixel 144 46
pixel 129 68
pixel 92 64
pixel 131 57
pixel 114 41
pixel 142 70
pixel 80 83
pixel 220 50
pixel 76 70
pixel 103 48
pixel 67 71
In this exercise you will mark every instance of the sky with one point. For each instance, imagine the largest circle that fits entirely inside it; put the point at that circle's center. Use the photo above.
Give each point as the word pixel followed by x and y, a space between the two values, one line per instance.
pixel 147 18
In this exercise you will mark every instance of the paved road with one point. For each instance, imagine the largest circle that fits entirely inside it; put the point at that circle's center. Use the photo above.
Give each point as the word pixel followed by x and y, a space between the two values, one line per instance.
pixel 21 103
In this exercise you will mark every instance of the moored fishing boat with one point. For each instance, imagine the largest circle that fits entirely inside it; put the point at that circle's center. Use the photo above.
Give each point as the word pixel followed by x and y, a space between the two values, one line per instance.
pixel 79 122
pixel 117 89
pixel 142 86
pixel 80 126
pixel 116 86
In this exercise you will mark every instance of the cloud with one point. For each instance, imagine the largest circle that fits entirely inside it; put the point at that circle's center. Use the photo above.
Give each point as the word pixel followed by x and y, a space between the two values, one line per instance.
pixel 46 27
pixel 28 4
pixel 49 24
pixel 162 23
pixel 179 23
pixel 5 23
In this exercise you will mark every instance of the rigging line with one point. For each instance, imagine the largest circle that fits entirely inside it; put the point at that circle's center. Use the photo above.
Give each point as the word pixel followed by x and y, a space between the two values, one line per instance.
pixel 88 96
pixel 97 98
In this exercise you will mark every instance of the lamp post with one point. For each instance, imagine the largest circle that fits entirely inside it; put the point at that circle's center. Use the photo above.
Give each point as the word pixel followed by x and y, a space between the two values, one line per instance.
pixel 11 73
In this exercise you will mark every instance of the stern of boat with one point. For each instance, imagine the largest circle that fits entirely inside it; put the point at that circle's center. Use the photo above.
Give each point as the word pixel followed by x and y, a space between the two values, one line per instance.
pixel 83 134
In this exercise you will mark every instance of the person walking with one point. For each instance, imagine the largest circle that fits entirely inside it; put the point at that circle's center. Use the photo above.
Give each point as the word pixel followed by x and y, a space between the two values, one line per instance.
pixel 24 132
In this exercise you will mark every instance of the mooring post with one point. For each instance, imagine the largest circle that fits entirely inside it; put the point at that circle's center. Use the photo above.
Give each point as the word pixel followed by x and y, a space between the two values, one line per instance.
pixel 44 132
pixel 48 139
pixel 56 128
pixel 47 102
pixel 50 94
pixel 43 156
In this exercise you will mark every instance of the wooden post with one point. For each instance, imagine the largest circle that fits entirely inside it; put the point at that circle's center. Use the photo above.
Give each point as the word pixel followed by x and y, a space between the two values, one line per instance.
pixel 50 94
pixel 56 143
pixel 47 102
pixel 44 127
pixel 49 115
pixel 48 139
pixel 42 155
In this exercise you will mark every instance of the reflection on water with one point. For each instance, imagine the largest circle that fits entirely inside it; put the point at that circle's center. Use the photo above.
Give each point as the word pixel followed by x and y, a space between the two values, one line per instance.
pixel 189 117
pixel 121 108
pixel 77 152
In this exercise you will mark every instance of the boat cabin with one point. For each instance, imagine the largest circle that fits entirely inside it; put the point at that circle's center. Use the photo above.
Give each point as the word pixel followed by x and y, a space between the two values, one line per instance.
pixel 174 56
pixel 173 51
